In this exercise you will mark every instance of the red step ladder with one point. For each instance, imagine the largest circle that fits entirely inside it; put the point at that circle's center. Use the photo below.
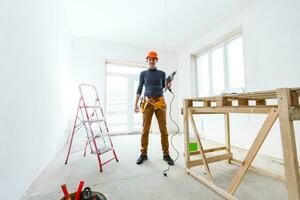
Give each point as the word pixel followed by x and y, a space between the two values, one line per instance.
pixel 90 116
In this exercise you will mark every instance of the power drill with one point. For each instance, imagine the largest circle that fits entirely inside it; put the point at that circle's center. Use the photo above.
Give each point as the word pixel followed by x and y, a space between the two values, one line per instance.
pixel 170 79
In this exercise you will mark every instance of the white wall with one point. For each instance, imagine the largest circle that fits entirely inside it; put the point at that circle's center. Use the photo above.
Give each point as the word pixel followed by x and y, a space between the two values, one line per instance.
pixel 35 49
pixel 271 32
pixel 88 63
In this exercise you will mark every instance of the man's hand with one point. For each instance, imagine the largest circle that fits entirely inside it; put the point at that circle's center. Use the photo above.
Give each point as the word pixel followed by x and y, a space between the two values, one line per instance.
pixel 136 108
pixel 168 85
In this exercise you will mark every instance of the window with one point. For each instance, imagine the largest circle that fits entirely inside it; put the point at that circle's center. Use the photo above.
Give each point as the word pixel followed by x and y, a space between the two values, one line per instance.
pixel 217 70
pixel 221 69
pixel 121 86
pixel 203 78
pixel 235 61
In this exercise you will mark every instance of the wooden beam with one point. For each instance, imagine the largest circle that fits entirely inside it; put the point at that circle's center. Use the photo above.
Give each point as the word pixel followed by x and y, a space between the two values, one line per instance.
pixel 211 185
pixel 260 170
pixel 221 101
pixel 192 153
pixel 294 99
pixel 186 104
pixel 243 102
pixel 199 162
pixel 231 109
pixel 260 102
pixel 260 138
pixel 200 146
pixel 270 94
pixel 288 144
pixel 206 103
pixel 295 113
pixel 227 134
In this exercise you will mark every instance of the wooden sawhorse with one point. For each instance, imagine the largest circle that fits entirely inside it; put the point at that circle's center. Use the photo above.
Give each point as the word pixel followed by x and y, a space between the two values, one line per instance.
pixel 287 110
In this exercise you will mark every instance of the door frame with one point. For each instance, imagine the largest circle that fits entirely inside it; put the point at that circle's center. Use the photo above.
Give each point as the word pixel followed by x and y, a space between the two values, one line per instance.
pixel 130 98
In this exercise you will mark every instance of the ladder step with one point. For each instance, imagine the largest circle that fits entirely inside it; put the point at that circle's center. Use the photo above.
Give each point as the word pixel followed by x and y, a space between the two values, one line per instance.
pixel 97 136
pixel 103 150
pixel 93 120
pixel 90 106
pixel 98 132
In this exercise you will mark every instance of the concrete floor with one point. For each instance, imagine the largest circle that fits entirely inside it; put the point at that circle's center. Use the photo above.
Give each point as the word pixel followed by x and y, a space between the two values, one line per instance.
pixel 126 180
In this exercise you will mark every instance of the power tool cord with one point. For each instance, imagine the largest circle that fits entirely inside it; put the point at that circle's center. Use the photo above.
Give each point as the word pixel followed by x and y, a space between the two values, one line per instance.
pixel 176 133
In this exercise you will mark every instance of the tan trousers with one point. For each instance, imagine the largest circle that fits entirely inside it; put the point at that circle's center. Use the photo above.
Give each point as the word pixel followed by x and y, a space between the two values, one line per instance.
pixel 162 122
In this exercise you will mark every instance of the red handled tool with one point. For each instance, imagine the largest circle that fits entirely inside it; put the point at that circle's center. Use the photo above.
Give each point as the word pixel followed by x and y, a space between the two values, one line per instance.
pixel 65 191
pixel 79 189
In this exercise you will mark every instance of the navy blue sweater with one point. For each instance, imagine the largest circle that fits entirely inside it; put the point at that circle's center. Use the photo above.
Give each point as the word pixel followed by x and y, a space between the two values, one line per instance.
pixel 154 81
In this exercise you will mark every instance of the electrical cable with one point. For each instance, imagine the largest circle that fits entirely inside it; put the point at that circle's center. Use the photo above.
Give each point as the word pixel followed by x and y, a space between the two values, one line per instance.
pixel 176 133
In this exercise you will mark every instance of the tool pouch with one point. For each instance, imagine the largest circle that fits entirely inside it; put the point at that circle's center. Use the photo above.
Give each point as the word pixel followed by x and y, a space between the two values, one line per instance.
pixel 143 104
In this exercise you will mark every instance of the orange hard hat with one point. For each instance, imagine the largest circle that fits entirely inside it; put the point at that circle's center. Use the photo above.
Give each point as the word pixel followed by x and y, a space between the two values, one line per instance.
pixel 152 54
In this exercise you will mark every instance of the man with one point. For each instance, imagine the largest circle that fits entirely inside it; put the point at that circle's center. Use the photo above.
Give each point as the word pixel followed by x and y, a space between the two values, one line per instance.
pixel 154 81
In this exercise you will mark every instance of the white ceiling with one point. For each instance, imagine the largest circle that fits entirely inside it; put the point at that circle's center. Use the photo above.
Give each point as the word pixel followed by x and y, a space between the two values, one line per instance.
pixel 142 23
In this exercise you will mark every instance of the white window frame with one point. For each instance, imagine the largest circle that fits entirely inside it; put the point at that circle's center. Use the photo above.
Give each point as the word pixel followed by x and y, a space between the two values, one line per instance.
pixel 208 50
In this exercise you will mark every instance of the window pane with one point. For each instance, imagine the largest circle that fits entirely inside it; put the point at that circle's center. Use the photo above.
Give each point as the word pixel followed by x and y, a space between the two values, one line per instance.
pixel 236 63
pixel 117 103
pixel 203 75
pixel 217 64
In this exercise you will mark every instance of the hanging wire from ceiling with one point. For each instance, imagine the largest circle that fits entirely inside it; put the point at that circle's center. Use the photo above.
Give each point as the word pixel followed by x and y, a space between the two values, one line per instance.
pixel 173 95
pixel 165 33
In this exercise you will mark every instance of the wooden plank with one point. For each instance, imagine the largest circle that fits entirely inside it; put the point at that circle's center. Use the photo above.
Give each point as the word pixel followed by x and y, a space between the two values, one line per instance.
pixel 214 149
pixel 222 101
pixel 261 102
pixel 227 134
pixel 208 150
pixel 288 144
pixel 200 147
pixel 206 103
pixel 211 185
pixel 258 95
pixel 295 114
pixel 186 104
pixel 295 89
pixel 199 162
pixel 231 109
pixel 260 170
pixel 269 94
pixel 243 102
pixel 294 99
pixel 260 138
